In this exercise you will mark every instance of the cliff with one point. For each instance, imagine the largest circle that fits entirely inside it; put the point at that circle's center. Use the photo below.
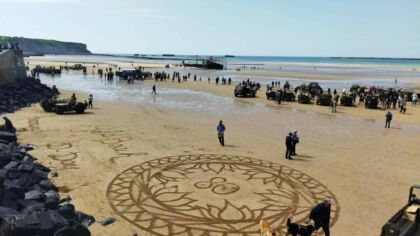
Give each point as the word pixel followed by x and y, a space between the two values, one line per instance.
pixel 44 46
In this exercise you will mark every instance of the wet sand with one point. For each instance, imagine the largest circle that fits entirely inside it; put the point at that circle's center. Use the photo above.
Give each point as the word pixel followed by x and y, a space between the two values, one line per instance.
pixel 349 156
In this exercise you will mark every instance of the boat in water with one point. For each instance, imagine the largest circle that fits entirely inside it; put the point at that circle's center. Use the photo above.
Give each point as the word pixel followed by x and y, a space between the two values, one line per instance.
pixel 207 63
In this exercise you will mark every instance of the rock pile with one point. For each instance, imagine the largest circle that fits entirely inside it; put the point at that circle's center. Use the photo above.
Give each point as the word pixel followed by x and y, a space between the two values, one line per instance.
pixel 29 202
pixel 22 93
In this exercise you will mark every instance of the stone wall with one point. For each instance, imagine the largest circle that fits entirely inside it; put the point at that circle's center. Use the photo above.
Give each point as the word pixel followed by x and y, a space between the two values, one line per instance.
pixel 12 66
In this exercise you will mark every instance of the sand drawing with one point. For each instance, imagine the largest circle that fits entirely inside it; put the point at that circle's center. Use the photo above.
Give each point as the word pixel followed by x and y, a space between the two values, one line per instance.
pixel 34 123
pixel 214 195
pixel 116 140
pixel 64 155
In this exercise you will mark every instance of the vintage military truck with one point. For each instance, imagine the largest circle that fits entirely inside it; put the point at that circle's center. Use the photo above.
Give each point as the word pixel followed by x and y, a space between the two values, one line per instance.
pixel 346 101
pixel 371 101
pixel 324 99
pixel 244 90
pixel 63 105
pixel 271 95
pixel 304 98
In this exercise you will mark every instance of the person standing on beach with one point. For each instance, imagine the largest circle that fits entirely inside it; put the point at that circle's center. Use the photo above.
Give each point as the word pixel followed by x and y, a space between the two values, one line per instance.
pixel 295 140
pixel 154 89
pixel 221 133
pixel 321 215
pixel 388 118
pixel 90 99
pixel 414 100
pixel 289 146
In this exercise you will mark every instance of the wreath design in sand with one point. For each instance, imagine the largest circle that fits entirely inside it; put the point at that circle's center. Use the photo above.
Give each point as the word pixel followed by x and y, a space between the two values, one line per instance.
pixel 214 195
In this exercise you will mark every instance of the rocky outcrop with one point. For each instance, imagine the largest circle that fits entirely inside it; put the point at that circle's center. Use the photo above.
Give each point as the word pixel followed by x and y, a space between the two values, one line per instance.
pixel 29 201
pixel 22 92
pixel 43 46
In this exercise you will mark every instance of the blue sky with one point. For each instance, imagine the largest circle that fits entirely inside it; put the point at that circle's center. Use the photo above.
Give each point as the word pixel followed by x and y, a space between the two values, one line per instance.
pixel 368 28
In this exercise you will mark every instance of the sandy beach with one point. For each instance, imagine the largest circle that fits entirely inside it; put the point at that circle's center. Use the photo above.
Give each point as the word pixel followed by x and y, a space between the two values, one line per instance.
pixel 155 164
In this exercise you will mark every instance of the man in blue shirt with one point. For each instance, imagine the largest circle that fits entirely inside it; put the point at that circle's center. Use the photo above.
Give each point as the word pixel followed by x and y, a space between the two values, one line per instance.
pixel 220 133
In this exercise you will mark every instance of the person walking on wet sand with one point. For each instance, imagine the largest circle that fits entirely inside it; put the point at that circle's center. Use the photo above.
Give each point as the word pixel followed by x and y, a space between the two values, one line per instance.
pixel 154 89
pixel 321 215
pixel 388 118
pixel 221 133
pixel 289 146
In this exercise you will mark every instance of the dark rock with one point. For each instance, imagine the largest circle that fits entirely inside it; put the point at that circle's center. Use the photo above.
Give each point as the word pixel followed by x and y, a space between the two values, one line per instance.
pixel 8 136
pixel 54 174
pixel 66 199
pixel 27 205
pixel 12 174
pixel 67 211
pixel 52 199
pixel 39 175
pixel 26 147
pixel 12 204
pixel 47 185
pixel 84 219
pixel 12 165
pixel 35 195
pixel 107 221
pixel 21 181
pixel 28 159
pixel 41 167
pixel 26 167
pixel 14 193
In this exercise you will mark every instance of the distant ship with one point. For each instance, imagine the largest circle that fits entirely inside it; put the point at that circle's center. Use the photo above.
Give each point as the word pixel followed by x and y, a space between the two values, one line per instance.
pixel 168 55
pixel 229 56
pixel 208 63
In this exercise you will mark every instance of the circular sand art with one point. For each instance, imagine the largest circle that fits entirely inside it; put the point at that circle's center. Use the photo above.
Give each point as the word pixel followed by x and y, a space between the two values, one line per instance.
pixel 214 195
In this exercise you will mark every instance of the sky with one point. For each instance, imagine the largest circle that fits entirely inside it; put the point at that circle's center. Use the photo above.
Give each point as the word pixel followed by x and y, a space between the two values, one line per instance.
pixel 348 28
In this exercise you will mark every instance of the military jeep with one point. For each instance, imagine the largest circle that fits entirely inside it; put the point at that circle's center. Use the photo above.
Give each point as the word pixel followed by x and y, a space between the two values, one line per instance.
pixel 64 105
pixel 304 98
pixel 244 90
pixel 406 222
pixel 324 100
pixel 371 101
pixel 346 101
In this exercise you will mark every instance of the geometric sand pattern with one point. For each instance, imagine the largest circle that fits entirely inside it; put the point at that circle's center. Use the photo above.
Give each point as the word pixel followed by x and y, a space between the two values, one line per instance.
pixel 209 194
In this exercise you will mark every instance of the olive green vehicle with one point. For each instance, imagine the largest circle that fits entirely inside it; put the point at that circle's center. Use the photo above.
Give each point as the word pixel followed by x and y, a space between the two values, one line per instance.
pixel 64 105
pixel 406 222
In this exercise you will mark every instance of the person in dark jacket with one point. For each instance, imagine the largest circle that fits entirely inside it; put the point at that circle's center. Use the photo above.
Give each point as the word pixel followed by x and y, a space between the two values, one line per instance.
pixel 289 146
pixel 154 89
pixel 8 125
pixel 295 140
pixel 388 118
pixel 320 214
pixel 221 133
